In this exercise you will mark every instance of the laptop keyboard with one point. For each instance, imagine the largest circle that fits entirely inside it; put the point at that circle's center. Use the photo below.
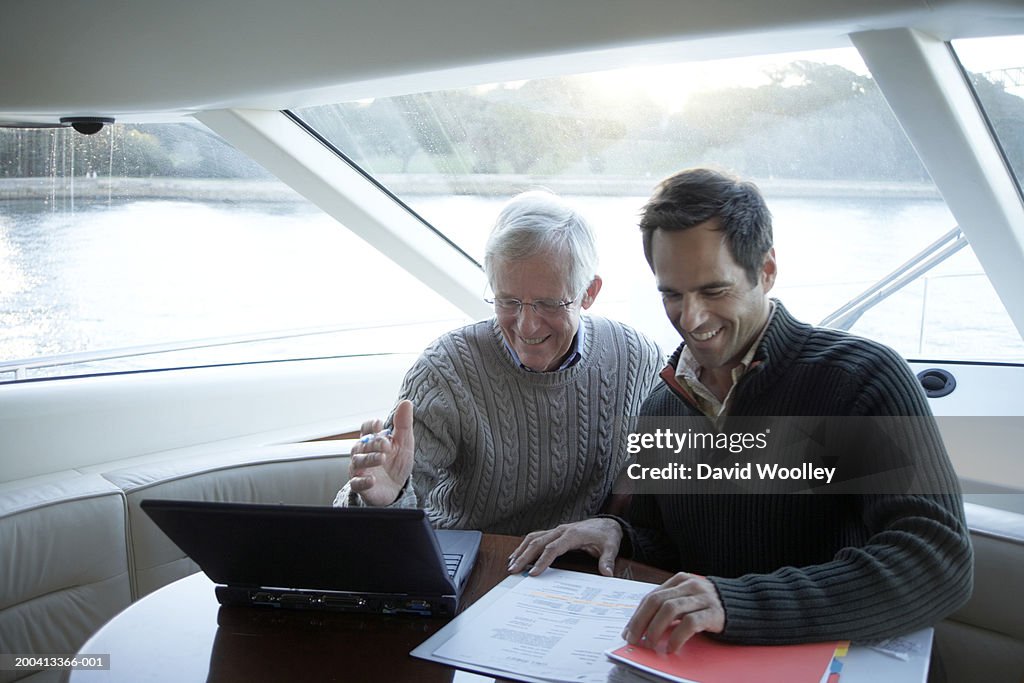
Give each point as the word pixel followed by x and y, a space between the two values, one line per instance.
pixel 452 562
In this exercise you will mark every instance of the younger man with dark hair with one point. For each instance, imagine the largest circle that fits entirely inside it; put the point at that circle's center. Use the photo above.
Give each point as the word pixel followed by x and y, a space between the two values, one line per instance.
pixel 772 568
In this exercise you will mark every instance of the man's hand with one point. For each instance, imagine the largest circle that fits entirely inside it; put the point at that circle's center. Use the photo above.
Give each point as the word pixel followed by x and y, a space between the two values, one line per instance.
pixel 600 537
pixel 381 463
pixel 686 604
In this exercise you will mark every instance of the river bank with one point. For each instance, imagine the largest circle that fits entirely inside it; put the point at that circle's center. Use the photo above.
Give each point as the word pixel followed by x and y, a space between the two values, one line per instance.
pixel 213 189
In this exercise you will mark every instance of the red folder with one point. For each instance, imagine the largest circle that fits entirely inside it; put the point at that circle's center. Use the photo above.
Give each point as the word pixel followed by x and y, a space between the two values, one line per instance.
pixel 705 660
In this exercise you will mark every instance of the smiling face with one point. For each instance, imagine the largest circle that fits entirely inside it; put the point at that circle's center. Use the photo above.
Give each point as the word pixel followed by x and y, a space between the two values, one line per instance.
pixel 707 295
pixel 540 341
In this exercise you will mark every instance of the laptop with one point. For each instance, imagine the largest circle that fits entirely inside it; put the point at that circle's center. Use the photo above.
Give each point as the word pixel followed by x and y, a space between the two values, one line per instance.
pixel 371 560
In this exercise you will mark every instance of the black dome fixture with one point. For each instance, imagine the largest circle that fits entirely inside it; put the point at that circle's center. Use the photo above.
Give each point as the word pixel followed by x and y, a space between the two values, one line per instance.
pixel 936 382
pixel 86 125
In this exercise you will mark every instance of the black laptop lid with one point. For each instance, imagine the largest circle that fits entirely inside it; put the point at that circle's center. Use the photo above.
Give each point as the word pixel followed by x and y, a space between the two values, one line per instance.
pixel 372 550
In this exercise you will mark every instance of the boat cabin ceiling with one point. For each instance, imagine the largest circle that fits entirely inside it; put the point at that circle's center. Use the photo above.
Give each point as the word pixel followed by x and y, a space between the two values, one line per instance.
pixel 142 60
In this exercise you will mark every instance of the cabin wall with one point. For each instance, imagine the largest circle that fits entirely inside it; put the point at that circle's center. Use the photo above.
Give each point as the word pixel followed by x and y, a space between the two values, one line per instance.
pixel 76 425
pixel 982 430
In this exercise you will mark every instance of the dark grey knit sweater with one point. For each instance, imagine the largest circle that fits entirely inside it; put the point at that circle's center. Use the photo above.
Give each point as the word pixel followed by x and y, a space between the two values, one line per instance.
pixel 797 568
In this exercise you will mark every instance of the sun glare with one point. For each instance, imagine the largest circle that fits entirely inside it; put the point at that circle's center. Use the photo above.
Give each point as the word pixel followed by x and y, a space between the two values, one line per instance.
pixel 669 85
pixel 672 85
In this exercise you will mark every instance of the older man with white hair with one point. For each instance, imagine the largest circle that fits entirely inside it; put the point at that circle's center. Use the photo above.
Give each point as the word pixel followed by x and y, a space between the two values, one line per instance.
pixel 520 420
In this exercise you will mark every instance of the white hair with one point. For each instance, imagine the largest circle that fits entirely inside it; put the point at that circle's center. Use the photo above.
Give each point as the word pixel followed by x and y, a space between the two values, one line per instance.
pixel 538 222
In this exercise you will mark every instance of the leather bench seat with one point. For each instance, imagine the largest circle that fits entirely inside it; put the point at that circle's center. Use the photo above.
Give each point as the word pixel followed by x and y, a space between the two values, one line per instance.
pixel 77 548
pixel 987 634
pixel 65 568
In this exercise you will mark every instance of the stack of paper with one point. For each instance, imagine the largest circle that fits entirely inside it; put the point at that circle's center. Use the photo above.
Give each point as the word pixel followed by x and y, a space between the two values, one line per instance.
pixel 553 627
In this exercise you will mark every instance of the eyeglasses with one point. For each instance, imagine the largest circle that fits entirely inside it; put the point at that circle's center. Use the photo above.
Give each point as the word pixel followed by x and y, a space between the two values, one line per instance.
pixel 547 308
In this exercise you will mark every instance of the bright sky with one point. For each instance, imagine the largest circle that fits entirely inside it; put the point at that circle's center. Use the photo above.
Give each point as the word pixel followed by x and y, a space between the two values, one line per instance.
pixel 986 54
pixel 671 84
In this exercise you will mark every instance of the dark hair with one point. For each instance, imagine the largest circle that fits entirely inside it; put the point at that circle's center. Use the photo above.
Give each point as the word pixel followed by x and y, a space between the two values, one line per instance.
pixel 697 195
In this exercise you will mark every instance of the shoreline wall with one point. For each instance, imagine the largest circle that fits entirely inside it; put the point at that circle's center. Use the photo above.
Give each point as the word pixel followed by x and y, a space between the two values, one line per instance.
pixel 499 185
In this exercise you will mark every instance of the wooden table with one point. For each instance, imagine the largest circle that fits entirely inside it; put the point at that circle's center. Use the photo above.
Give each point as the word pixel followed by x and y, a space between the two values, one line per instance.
pixel 181 634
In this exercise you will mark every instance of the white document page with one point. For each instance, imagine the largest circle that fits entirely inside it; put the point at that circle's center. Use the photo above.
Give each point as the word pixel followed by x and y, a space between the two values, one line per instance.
pixel 552 627
pixel 904 658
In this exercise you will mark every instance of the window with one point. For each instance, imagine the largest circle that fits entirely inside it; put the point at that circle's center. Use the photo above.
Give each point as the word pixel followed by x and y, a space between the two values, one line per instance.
pixel 996 70
pixel 154 246
pixel 158 245
pixel 851 200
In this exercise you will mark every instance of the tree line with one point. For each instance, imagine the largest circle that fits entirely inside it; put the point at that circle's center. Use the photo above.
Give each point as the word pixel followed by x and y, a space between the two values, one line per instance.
pixel 809 121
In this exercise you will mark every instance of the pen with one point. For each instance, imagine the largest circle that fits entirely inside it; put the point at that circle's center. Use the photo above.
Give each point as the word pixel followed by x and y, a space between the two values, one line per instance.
pixel 367 438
